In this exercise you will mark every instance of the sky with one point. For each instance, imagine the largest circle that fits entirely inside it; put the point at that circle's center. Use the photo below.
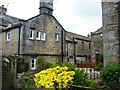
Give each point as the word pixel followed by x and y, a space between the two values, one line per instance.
pixel 77 16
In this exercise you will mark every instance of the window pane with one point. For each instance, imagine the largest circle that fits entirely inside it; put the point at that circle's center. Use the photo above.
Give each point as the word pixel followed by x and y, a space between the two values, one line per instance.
pixel 43 35
pixel 33 61
pixel 38 35
pixel 33 64
pixel 8 36
pixel 56 37
pixel 31 34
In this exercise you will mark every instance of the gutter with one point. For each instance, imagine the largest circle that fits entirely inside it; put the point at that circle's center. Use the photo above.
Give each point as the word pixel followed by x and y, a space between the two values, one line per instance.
pixel 19 40
pixel 74 50
pixel 62 54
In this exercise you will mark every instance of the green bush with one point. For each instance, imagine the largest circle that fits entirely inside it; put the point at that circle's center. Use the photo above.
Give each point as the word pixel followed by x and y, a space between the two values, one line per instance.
pixel 52 65
pixel 80 78
pixel 22 66
pixel 111 75
pixel 71 67
pixel 42 64
pixel 26 81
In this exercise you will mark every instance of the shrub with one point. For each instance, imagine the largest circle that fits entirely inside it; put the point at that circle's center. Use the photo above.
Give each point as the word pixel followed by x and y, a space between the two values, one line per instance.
pixel 57 77
pixel 22 66
pixel 80 78
pixel 26 81
pixel 71 67
pixel 42 64
pixel 52 65
pixel 111 75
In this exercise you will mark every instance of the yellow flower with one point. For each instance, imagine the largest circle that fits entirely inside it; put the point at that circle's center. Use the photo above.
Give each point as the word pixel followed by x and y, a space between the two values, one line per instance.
pixel 54 76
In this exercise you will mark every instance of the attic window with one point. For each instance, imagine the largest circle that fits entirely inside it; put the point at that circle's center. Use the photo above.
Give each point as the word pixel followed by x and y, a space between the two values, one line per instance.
pixel 31 34
pixel 43 36
pixel 101 34
pixel 56 36
pixel 8 36
pixel 38 35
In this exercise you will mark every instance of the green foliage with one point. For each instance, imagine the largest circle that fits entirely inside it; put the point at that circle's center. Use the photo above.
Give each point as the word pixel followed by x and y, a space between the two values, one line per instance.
pixel 111 75
pixel 90 83
pixel 100 63
pixel 80 78
pixel 52 65
pixel 100 57
pixel 22 66
pixel 71 67
pixel 26 81
pixel 42 64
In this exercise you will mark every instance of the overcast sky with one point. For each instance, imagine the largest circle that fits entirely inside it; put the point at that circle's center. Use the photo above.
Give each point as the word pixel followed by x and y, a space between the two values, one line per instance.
pixel 78 16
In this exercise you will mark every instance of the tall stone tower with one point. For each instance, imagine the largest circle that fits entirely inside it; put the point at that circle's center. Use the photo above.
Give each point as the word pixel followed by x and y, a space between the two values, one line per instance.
pixel 46 6
pixel 111 31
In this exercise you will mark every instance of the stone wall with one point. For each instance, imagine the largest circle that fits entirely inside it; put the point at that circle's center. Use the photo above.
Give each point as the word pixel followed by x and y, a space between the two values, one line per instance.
pixel 96 43
pixel 10 47
pixel 110 32
pixel 42 23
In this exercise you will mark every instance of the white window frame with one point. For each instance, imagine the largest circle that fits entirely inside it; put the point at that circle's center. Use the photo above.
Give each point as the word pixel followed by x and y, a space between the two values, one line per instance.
pixel 43 36
pixel 38 38
pixel 8 36
pixel 33 64
pixel 31 33
pixel 56 36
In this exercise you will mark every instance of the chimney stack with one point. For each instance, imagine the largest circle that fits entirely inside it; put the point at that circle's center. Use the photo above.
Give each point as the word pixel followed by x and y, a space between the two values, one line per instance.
pixel 3 10
pixel 46 6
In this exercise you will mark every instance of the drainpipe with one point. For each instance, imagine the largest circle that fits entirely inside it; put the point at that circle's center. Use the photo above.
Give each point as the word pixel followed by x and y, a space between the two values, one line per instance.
pixel 67 53
pixel 74 50
pixel 62 45
pixel 119 31
pixel 19 40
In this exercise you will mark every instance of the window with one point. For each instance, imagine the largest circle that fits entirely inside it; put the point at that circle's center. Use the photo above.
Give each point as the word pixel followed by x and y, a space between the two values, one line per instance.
pixel 8 36
pixel 38 35
pixel 89 45
pixel 33 64
pixel 56 36
pixel 31 34
pixel 82 46
pixel 43 36
pixel 101 34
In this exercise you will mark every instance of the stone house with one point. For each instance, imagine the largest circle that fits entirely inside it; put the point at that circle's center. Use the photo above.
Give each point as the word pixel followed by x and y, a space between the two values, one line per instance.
pixel 78 48
pixel 96 44
pixel 41 35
